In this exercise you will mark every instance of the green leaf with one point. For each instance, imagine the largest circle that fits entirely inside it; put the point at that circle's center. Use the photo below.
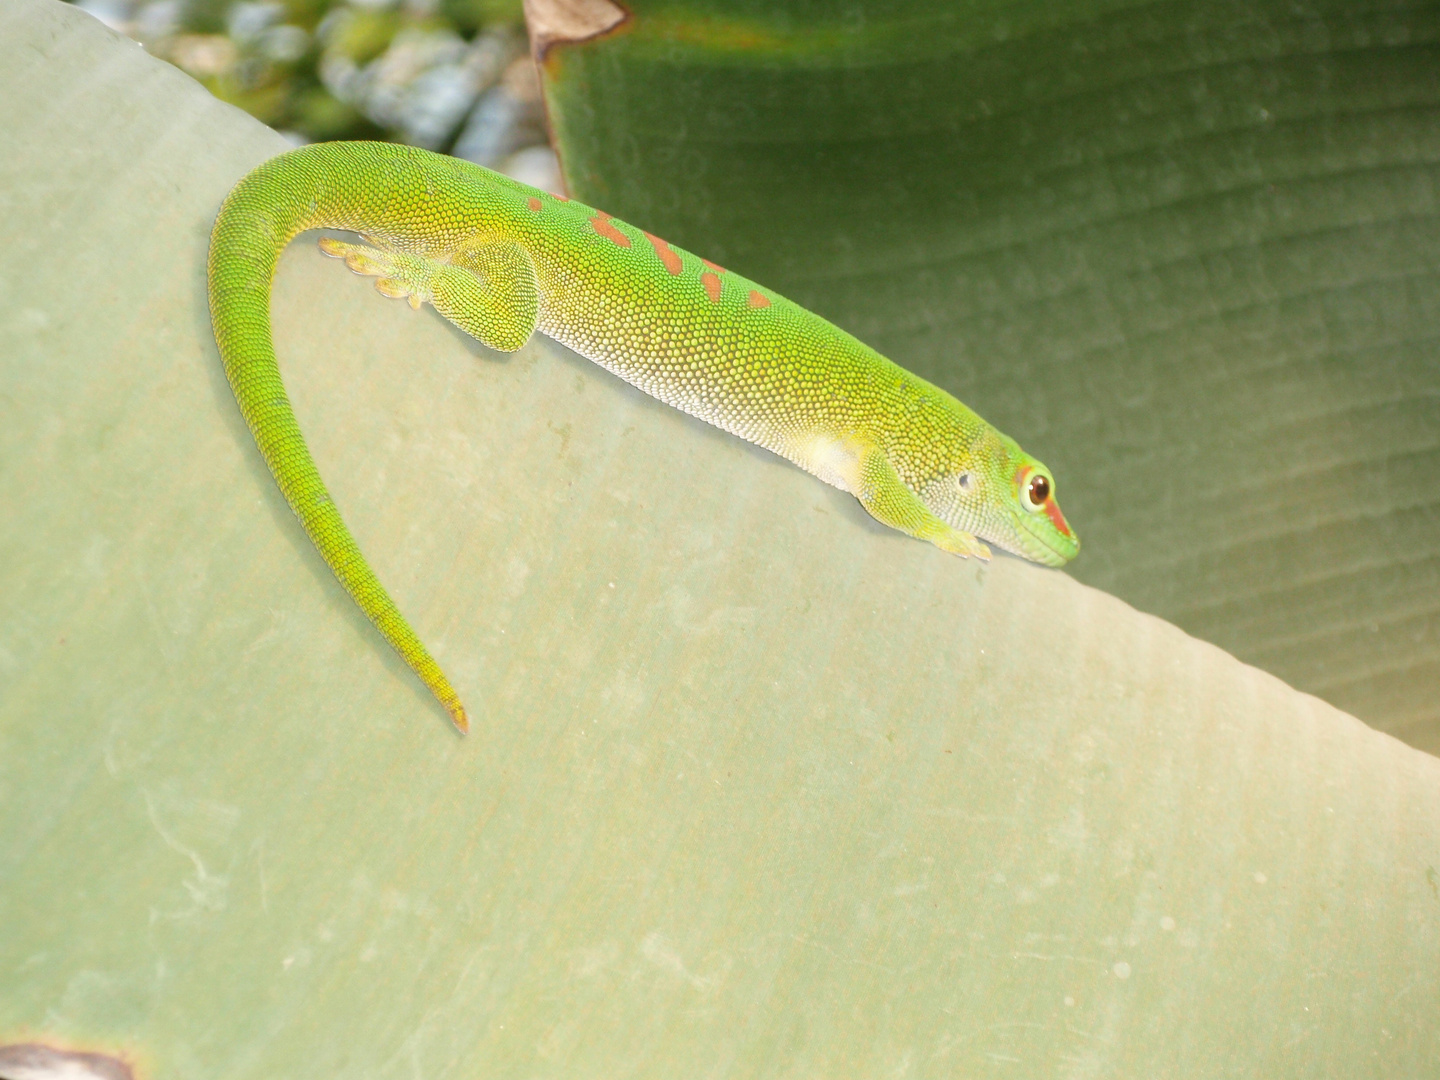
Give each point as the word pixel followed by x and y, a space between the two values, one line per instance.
pixel 1184 253
pixel 755 787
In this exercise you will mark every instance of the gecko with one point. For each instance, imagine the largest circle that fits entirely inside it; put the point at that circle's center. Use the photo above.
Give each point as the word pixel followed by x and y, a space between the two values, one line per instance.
pixel 501 260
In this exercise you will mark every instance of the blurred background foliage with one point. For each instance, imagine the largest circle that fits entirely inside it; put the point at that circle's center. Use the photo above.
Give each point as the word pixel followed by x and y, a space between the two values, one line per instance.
pixel 449 75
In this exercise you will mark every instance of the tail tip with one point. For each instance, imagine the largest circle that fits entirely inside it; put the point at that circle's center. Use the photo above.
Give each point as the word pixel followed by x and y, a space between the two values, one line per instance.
pixel 458 717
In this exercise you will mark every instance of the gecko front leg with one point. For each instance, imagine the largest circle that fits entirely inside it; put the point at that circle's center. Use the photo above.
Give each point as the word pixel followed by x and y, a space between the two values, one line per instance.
pixel 887 498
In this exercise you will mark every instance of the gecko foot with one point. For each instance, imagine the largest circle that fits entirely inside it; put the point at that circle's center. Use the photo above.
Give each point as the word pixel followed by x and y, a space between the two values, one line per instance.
pixel 962 544
pixel 400 277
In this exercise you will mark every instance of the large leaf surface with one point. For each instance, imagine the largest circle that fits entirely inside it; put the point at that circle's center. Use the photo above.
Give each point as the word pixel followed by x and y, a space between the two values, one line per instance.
pixel 756 788
pixel 1187 253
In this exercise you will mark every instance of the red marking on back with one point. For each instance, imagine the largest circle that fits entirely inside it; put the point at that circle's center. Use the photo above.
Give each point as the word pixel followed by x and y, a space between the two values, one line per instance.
pixel 714 266
pixel 601 224
pixel 756 300
pixel 666 252
pixel 712 286
pixel 1052 511
pixel 534 203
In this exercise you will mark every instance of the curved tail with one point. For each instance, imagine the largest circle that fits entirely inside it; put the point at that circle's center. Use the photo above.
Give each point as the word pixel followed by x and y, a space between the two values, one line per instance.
pixel 313 187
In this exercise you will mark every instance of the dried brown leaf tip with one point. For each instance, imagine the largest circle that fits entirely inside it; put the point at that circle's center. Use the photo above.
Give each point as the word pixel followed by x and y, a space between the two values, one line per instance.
pixel 564 22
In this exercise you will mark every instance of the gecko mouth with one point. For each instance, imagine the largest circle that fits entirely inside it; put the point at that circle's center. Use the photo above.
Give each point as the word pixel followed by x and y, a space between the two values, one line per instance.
pixel 1053 548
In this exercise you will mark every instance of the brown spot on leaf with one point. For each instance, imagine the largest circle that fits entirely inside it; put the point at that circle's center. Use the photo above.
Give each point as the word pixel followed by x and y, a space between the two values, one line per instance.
pixel 36 1061
pixel 566 22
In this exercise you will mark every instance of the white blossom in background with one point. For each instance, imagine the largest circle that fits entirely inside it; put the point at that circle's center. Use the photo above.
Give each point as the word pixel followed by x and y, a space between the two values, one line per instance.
pixel 423 85
pixel 507 118
pixel 427 86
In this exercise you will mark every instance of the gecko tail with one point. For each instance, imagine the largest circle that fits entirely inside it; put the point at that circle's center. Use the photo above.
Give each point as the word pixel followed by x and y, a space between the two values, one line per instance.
pixel 307 188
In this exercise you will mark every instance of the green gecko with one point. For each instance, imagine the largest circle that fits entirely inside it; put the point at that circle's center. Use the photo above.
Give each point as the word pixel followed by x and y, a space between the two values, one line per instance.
pixel 501 260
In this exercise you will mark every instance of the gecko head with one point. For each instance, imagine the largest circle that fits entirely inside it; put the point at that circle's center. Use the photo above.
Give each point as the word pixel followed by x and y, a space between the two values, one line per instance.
pixel 1008 498
pixel 1029 522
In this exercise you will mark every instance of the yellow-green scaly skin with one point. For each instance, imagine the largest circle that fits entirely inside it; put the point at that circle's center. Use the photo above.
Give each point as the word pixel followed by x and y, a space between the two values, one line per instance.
pixel 501 260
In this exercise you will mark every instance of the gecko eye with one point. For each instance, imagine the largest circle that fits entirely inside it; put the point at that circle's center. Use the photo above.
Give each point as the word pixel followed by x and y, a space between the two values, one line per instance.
pixel 1037 490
